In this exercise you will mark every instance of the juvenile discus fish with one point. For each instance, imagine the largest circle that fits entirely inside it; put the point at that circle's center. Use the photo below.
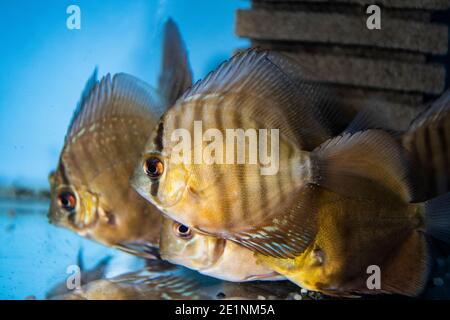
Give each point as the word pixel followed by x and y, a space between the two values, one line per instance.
pixel 90 191
pixel 219 258
pixel 236 155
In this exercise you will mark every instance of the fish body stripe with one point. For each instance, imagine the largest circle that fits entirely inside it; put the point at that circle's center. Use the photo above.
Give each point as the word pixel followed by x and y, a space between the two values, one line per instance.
pixel 446 153
pixel 428 151
pixel 430 147
pixel 221 201
pixel 437 145
pixel 62 172
pixel 159 136
pixel 175 121
pixel 422 153
pixel 224 185
pixel 241 186
pixel 264 199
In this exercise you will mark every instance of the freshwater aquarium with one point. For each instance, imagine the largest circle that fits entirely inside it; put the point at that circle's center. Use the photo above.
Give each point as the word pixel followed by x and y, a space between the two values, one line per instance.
pixel 239 149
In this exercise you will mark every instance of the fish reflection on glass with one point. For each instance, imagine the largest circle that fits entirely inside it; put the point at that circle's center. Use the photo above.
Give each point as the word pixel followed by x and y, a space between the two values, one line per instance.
pixel 90 192
pixel 156 282
pixel 209 255
pixel 168 282
pixel 87 275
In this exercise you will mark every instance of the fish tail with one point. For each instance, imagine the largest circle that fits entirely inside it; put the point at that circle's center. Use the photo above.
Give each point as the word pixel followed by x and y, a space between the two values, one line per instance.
pixel 437 217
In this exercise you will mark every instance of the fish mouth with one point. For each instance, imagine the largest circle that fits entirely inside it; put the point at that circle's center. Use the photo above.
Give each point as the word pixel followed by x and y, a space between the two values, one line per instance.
pixel 52 217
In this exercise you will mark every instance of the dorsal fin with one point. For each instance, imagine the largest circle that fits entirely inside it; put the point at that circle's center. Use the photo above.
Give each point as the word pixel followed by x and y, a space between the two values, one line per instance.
pixel 121 94
pixel 336 114
pixel 297 107
pixel 366 119
pixel 436 113
pixel 92 81
pixel 362 121
pixel 176 75
pixel 88 88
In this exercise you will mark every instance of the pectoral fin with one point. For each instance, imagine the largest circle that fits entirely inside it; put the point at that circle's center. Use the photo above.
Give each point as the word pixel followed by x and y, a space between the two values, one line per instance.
pixel 289 233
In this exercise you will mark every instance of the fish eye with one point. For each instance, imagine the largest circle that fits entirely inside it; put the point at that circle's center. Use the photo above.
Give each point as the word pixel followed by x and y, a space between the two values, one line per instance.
pixel 67 201
pixel 182 231
pixel 153 167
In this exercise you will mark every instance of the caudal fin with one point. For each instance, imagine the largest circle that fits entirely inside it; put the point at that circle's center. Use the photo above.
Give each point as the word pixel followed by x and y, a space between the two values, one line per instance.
pixel 437 217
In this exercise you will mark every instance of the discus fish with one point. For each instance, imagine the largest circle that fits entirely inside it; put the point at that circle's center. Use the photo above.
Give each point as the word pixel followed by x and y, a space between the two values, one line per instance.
pixel 89 189
pixel 428 139
pixel 90 192
pixel 267 212
pixel 357 237
pixel 209 255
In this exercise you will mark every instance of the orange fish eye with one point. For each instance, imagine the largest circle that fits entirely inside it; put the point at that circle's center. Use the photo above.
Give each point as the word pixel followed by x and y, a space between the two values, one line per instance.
pixel 67 200
pixel 153 167
pixel 182 231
